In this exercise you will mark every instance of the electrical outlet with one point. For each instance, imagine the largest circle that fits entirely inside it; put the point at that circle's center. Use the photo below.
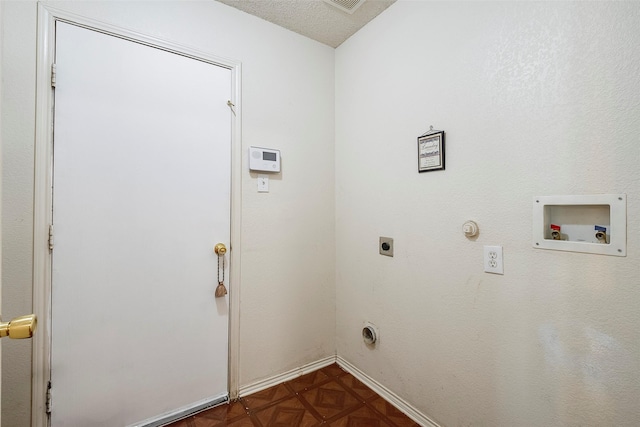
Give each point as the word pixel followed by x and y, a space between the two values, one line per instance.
pixel 493 260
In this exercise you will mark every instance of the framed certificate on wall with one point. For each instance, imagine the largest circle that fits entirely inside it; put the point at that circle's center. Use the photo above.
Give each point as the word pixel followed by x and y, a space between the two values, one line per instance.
pixel 431 151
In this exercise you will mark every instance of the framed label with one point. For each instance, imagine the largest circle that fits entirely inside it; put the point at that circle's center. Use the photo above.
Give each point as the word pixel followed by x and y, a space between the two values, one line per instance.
pixel 431 152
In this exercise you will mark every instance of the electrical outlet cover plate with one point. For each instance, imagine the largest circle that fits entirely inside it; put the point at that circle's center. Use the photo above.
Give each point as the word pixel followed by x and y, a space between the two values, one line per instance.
pixel 263 184
pixel 493 260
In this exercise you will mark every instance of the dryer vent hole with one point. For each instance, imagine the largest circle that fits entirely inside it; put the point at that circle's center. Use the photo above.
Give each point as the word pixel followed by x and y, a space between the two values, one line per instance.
pixel 369 335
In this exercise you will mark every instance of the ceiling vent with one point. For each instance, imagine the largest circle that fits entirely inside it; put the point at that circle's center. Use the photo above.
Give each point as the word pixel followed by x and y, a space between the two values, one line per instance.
pixel 348 6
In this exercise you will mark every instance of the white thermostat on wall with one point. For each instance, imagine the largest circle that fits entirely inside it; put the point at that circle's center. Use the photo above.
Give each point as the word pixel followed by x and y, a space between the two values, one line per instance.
pixel 264 159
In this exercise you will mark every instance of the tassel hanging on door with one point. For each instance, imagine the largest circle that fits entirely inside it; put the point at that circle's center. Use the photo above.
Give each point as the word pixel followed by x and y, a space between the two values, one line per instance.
pixel 221 290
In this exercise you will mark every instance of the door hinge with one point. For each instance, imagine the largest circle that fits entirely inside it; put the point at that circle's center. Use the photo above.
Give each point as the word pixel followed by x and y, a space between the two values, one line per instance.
pixel 53 75
pixel 48 409
pixel 51 237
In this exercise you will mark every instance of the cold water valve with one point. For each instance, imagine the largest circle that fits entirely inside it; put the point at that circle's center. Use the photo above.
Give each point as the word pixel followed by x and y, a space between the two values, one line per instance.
pixel 601 234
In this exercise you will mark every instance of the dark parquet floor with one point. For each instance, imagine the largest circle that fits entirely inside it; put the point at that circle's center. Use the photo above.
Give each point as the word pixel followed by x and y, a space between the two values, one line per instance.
pixel 327 397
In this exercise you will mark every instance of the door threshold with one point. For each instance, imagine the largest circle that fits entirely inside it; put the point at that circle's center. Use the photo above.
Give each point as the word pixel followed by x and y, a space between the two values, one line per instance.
pixel 183 412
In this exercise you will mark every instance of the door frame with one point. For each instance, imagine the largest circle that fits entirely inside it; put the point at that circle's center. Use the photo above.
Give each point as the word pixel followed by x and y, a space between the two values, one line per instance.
pixel 1 146
pixel 43 209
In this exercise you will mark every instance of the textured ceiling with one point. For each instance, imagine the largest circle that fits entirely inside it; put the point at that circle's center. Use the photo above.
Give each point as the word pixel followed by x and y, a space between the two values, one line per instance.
pixel 313 18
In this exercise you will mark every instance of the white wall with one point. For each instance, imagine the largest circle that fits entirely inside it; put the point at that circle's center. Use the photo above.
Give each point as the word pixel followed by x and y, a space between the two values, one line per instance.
pixel 287 296
pixel 536 99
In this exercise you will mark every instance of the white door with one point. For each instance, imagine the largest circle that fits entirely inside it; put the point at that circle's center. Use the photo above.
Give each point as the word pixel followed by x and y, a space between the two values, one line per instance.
pixel 141 194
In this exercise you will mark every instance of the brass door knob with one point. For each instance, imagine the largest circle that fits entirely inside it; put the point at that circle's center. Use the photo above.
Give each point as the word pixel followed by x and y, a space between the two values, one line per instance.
pixel 19 328
pixel 220 249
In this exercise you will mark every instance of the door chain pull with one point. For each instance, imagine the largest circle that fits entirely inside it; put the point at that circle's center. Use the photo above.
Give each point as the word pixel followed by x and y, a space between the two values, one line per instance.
pixel 221 290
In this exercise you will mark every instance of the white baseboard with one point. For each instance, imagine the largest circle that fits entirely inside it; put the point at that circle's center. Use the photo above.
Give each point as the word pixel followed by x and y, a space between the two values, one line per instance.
pixel 387 394
pixel 374 385
pixel 287 376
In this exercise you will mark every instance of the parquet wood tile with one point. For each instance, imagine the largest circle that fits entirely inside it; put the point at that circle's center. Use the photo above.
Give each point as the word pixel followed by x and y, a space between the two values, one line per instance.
pixel 308 381
pixel 244 421
pixel 391 412
pixel 289 413
pixel 328 397
pixel 267 397
pixel 358 387
pixel 333 370
pixel 361 417
pixel 224 412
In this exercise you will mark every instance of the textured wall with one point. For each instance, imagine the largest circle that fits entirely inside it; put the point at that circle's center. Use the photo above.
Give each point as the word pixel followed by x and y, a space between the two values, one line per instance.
pixel 537 99
pixel 18 123
pixel 287 295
